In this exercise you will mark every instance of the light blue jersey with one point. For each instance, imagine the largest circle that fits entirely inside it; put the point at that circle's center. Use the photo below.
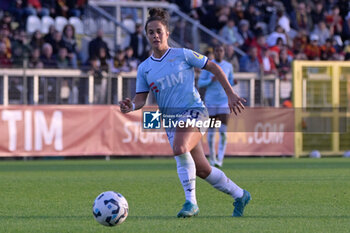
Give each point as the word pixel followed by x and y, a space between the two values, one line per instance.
pixel 171 79
pixel 215 93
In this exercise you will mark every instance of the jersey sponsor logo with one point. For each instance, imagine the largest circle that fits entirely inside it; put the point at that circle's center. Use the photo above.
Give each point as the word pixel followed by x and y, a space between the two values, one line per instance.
pixel 170 80
pixel 151 120
pixel 197 55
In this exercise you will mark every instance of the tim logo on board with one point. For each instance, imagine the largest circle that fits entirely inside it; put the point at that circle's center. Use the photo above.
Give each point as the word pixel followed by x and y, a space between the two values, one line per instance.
pixel 151 120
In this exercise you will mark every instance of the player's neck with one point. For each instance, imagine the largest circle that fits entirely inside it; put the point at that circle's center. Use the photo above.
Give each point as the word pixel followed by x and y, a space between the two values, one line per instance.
pixel 158 53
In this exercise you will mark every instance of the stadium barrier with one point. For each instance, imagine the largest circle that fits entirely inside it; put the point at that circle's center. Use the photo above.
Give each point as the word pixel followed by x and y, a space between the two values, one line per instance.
pixel 321 101
pixel 90 130
pixel 56 86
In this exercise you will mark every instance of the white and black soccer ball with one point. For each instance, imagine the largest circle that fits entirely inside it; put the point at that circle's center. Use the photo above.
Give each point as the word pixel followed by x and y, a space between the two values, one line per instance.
pixel 110 208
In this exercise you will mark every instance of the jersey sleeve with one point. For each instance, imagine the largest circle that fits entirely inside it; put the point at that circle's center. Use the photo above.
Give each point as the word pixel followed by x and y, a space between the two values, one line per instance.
pixel 230 75
pixel 195 59
pixel 141 82
pixel 204 79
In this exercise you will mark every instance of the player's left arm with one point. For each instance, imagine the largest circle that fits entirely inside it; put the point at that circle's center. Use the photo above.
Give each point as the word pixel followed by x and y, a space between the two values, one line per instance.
pixel 234 101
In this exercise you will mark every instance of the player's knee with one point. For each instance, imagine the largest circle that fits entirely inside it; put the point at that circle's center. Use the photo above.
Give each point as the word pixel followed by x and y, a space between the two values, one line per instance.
pixel 180 149
pixel 203 172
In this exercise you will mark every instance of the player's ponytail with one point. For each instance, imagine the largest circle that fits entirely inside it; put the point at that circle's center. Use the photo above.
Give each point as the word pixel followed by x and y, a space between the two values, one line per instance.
pixel 160 15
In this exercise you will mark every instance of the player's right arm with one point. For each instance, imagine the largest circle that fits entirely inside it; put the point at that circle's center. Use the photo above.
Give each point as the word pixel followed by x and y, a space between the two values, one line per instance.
pixel 128 105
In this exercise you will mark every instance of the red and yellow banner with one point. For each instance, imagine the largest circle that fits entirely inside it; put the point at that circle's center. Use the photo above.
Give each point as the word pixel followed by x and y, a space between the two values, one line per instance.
pixel 68 130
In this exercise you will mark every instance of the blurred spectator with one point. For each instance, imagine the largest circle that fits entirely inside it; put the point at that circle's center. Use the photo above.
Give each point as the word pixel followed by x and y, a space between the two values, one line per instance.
pixel 32 7
pixel 328 51
pixel 245 34
pixel 322 32
pixel 253 16
pixel 62 8
pixel 229 32
pixel 48 6
pixel 139 43
pixel 50 35
pixel 100 81
pixel 5 61
pixel 283 21
pixel 222 15
pixel 300 41
pixel 284 65
pixel 20 48
pixel 5 38
pixel 312 50
pixel 6 21
pixel 278 33
pixel 34 59
pixel 62 59
pixel 207 14
pixel 47 57
pixel 69 42
pixel 231 57
pixel 267 8
pixel 238 11
pixel 250 62
pixel 318 13
pixel 267 63
pixel 210 53
pixel 346 28
pixel 103 60
pixel 130 60
pixel 56 42
pixel 119 63
pixel 334 21
pixel 37 40
pixel 347 50
pixel 73 8
pixel 96 44
pixel 301 19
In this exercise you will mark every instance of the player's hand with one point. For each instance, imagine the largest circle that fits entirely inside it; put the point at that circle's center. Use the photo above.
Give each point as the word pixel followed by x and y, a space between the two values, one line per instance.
pixel 235 103
pixel 125 105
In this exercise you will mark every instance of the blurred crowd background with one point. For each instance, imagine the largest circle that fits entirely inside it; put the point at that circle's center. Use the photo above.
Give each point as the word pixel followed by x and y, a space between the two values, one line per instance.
pixel 270 33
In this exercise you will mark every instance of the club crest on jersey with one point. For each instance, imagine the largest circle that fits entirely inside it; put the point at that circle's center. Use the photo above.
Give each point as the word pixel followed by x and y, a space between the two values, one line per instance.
pixel 197 55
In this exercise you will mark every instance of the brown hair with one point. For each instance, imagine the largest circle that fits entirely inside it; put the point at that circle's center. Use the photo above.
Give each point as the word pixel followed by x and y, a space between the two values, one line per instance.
pixel 160 15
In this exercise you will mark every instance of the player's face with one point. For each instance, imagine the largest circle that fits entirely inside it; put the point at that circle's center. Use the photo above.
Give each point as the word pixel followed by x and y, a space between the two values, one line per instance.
pixel 219 53
pixel 158 35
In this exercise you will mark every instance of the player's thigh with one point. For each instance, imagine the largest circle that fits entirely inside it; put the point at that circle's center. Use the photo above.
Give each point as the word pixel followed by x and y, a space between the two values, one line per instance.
pixel 223 118
pixel 203 167
pixel 186 139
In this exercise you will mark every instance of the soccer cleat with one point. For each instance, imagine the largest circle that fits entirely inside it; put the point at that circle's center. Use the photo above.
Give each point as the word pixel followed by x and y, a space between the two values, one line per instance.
pixel 240 204
pixel 218 164
pixel 188 210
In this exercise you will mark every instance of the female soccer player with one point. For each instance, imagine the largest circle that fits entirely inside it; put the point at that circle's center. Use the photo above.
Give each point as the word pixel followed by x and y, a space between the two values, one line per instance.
pixel 216 101
pixel 169 74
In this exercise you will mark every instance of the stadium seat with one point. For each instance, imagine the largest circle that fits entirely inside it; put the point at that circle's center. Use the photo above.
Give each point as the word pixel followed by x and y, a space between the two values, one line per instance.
pixel 78 25
pixel 33 24
pixel 90 26
pixel 60 22
pixel 46 22
pixel 129 24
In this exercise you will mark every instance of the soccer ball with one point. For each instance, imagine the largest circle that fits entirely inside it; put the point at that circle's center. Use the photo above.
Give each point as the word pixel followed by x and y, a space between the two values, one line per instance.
pixel 110 208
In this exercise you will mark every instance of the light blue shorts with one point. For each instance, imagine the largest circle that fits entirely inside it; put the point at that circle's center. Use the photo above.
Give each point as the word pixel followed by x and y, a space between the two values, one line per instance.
pixel 216 109
pixel 188 115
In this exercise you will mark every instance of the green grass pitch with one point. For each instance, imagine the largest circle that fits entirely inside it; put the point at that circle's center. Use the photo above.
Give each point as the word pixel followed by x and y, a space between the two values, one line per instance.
pixel 289 195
